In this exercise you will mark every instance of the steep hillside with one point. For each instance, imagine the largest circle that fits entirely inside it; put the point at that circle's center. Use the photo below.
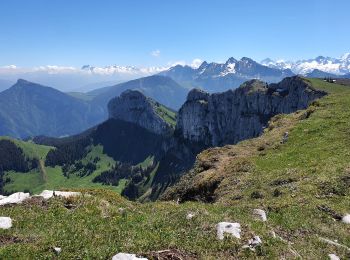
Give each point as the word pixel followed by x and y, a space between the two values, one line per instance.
pixel 29 109
pixel 298 171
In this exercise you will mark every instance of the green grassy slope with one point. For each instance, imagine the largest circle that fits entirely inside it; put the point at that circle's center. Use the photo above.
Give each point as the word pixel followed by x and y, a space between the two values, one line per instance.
pixel 30 149
pixel 52 177
pixel 167 114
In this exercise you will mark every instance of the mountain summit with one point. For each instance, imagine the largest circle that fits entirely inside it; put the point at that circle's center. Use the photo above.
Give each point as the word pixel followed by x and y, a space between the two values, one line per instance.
pixel 28 109
pixel 214 77
pixel 134 107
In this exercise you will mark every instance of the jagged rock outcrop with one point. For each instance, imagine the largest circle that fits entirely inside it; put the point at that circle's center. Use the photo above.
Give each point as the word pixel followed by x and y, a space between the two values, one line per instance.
pixel 134 107
pixel 235 115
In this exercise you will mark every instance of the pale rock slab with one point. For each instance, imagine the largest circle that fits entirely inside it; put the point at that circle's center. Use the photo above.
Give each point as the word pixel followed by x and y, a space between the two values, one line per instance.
pixel 47 194
pixel 260 214
pixel 227 227
pixel 346 219
pixel 15 198
pixel 5 222
pixel 124 256
pixel 333 257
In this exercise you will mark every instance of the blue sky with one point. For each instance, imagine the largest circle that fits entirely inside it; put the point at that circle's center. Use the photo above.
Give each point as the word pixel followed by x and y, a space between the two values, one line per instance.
pixel 76 32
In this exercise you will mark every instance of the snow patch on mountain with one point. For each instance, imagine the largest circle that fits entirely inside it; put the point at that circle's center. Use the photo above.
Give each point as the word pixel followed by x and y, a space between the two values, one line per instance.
pixel 337 66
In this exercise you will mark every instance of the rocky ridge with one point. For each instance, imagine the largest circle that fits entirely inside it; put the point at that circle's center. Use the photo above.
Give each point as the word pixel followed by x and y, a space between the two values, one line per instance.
pixel 235 115
pixel 134 107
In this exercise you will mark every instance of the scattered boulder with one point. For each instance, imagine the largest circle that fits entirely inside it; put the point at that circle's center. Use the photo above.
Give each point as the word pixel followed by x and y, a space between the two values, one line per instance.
pixel 346 219
pixel 333 257
pixel 252 243
pixel 14 198
pixel 285 138
pixel 190 216
pixel 57 250
pixel 260 214
pixel 124 256
pixel 5 222
pixel 226 227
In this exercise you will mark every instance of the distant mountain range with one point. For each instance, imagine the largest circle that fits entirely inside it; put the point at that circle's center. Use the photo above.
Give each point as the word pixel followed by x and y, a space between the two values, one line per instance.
pixel 163 89
pixel 214 77
pixel 30 109
pixel 338 66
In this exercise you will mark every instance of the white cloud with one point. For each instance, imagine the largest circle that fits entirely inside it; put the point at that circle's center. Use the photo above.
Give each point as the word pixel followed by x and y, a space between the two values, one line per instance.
pixel 179 62
pixel 10 67
pixel 155 53
pixel 196 63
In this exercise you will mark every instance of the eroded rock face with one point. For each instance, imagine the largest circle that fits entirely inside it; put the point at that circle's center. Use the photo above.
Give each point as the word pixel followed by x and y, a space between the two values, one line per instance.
pixel 132 106
pixel 235 115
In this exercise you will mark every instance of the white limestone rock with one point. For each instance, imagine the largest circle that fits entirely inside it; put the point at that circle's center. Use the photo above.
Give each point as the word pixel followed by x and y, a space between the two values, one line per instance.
pixel 333 257
pixel 190 216
pixel 15 198
pixel 252 243
pixel 2 197
pixel 67 194
pixel 124 256
pixel 346 219
pixel 5 222
pixel 58 250
pixel 260 214
pixel 227 227
pixel 47 194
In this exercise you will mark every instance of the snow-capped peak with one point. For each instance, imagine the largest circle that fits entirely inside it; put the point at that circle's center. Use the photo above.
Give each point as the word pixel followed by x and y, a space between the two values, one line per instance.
pixel 345 56
pixel 322 63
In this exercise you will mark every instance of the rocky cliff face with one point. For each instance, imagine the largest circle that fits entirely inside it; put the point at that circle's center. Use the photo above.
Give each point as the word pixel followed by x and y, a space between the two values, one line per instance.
pixel 235 115
pixel 132 106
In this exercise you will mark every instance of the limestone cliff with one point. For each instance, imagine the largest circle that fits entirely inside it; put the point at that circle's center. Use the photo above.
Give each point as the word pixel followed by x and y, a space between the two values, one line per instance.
pixel 235 115
pixel 134 107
